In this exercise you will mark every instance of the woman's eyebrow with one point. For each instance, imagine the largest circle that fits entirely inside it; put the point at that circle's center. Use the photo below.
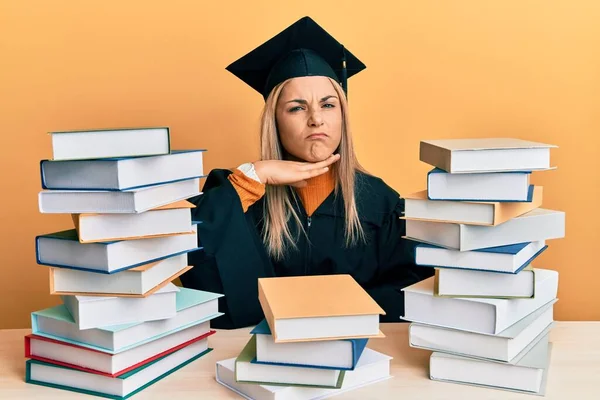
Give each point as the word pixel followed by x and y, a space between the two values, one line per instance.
pixel 302 101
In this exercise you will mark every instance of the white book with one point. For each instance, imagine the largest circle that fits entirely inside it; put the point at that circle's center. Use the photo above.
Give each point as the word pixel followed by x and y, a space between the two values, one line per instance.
pixel 62 249
pixel 54 351
pixel 140 281
pixel 507 259
pixel 170 219
pixel 480 315
pixel 193 307
pixel 528 374
pixel 98 311
pixel 122 173
pixel 465 283
pixel 504 346
pixel 494 186
pixel 42 373
pixel 372 367
pixel 536 225
pixel 106 143
pixel 485 155
pixel 116 202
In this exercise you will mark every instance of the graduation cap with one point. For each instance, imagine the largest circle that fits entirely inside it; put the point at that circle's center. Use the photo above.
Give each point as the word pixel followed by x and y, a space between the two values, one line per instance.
pixel 302 49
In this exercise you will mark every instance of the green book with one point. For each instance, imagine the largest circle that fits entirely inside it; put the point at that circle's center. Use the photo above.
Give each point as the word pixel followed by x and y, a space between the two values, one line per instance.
pixel 247 370
pixel 121 387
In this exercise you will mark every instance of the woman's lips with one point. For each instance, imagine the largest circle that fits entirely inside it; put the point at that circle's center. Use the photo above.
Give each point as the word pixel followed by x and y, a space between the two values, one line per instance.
pixel 318 135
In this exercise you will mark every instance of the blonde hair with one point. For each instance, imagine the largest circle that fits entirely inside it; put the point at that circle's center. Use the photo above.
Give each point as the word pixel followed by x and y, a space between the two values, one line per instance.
pixel 278 204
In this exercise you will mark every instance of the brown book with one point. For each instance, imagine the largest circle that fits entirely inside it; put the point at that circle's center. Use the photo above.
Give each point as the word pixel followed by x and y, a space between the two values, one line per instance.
pixel 319 307
pixel 419 207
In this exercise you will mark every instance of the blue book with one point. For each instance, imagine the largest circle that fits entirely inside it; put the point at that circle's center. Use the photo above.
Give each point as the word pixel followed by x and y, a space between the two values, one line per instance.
pixel 194 307
pixel 63 249
pixel 120 387
pixel 509 259
pixel 511 186
pixel 122 173
pixel 341 354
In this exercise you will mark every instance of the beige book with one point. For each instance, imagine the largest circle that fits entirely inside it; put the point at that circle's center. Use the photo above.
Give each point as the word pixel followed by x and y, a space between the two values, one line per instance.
pixel 320 307
pixel 419 207
pixel 486 155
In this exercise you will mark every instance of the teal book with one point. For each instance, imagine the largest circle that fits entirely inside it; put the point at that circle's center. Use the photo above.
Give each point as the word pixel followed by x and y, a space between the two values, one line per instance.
pixel 121 387
pixel 193 307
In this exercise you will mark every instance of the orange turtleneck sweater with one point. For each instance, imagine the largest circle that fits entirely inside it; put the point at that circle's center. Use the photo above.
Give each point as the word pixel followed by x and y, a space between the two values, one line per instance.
pixel 312 195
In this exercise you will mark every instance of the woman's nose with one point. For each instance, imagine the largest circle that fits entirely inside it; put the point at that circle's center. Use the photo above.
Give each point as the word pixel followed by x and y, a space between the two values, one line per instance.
pixel 316 119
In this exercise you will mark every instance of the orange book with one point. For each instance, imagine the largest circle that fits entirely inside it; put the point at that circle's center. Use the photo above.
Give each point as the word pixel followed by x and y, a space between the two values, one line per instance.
pixel 171 219
pixel 319 307
pixel 419 207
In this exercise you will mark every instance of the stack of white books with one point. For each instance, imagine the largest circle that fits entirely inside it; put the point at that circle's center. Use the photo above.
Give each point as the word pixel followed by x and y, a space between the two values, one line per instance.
pixel 487 311
pixel 122 325
pixel 308 347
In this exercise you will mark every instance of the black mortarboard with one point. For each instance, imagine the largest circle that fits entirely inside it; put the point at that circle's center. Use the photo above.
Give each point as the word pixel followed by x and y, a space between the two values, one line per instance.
pixel 302 49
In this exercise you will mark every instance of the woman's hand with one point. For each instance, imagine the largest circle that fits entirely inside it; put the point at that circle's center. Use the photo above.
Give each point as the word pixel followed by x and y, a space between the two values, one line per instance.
pixel 294 173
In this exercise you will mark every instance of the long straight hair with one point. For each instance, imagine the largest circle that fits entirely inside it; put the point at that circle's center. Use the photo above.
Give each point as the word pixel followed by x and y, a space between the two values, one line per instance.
pixel 278 209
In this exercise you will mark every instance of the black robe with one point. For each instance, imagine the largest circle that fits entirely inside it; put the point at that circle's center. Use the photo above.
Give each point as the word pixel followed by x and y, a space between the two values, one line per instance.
pixel 234 257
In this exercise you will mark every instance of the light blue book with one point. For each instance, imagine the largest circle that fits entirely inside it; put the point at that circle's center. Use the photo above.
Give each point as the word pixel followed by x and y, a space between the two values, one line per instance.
pixel 193 307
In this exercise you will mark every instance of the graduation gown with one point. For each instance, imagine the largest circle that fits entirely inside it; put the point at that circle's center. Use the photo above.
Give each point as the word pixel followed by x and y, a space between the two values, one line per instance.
pixel 234 257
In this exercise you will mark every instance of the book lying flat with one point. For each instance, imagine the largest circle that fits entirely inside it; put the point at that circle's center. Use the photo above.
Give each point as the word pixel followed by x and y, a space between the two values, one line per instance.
pixel 135 282
pixel 504 346
pixel 508 259
pixel 337 308
pixel 335 354
pixel 194 307
pixel 113 365
pixel 103 143
pixel 63 249
pixel 122 173
pixel 480 315
pixel 267 374
pixel 116 202
pixel 494 186
pixel 528 374
pixel 418 207
pixel 536 225
pixel 373 367
pixel 121 387
pixel 171 219
pixel 485 155
pixel 98 311
pixel 463 283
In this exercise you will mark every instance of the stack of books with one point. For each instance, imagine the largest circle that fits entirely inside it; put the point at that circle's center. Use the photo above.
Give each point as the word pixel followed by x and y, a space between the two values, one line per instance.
pixel 487 312
pixel 312 343
pixel 122 325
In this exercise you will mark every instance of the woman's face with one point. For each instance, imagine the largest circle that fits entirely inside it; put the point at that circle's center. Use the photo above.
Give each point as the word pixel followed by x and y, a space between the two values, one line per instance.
pixel 309 118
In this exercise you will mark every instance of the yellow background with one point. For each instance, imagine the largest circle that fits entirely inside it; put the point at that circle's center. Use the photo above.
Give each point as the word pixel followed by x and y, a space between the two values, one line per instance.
pixel 435 69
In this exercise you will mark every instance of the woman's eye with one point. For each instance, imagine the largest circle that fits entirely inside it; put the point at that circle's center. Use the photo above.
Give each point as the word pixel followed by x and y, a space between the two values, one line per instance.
pixel 294 109
pixel 328 105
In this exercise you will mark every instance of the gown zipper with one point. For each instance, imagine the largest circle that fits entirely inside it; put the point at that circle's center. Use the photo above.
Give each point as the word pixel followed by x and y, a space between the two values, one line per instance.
pixel 307 252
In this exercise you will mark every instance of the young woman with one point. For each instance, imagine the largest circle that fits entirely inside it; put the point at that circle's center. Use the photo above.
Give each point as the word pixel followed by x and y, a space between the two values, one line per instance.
pixel 307 207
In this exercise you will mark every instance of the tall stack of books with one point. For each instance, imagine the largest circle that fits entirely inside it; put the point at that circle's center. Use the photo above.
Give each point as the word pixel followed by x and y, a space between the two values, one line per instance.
pixel 122 325
pixel 487 312
pixel 312 343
